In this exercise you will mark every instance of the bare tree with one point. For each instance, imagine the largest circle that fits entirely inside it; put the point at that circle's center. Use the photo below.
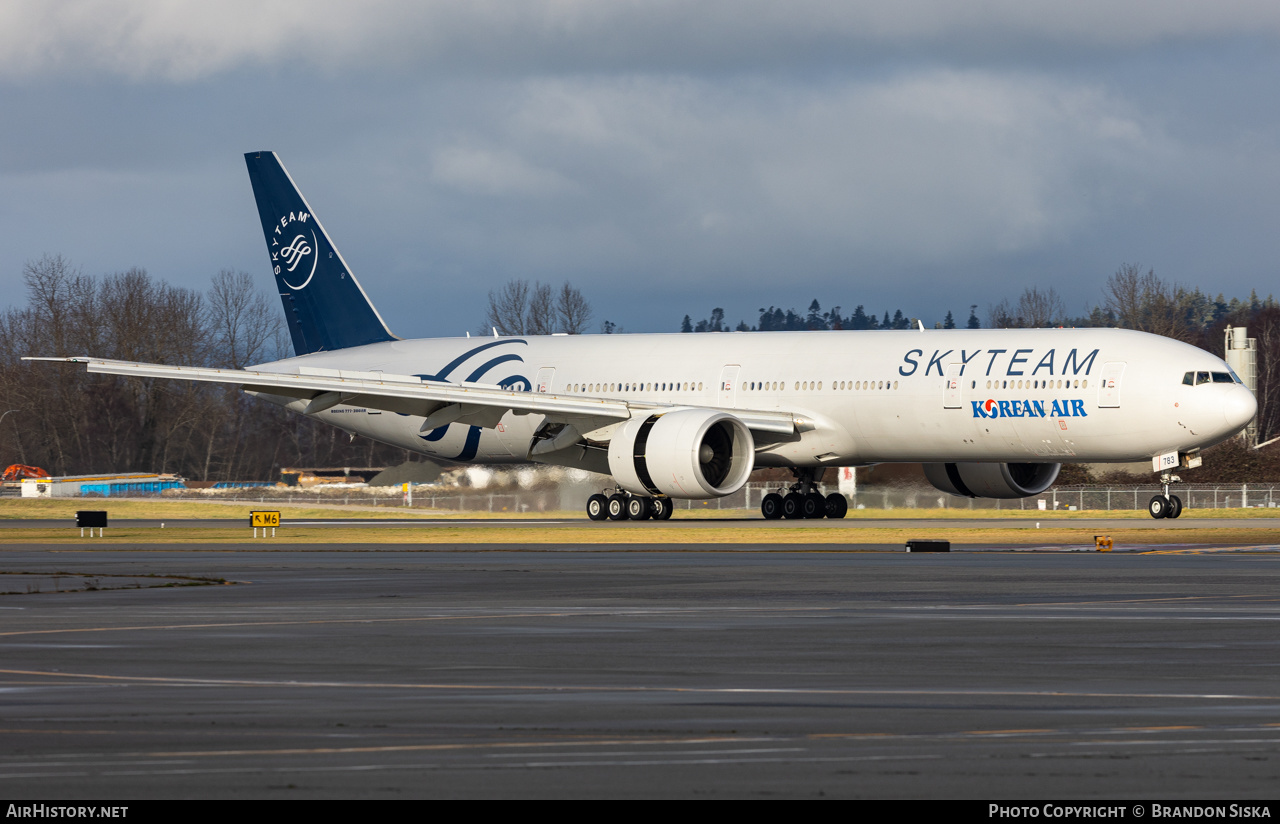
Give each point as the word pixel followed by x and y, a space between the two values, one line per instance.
pixel 1265 326
pixel 1003 315
pixel 1147 303
pixel 244 322
pixel 69 421
pixel 541 319
pixel 521 308
pixel 507 307
pixel 1039 308
pixel 573 309
pixel 1035 308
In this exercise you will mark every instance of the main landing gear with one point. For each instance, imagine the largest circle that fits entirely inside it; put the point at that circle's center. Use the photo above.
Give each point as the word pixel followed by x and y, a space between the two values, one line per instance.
pixel 803 500
pixel 1166 505
pixel 623 506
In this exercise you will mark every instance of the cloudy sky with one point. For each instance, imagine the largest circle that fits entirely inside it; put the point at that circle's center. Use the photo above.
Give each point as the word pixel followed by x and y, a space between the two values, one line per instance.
pixel 665 157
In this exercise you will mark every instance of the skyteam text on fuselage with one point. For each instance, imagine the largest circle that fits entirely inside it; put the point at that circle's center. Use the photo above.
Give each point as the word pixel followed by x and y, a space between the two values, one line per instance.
pixel 990 413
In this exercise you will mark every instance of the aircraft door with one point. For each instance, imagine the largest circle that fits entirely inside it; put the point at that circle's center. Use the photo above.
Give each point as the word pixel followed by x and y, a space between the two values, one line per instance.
pixel 727 395
pixel 1109 389
pixel 542 383
pixel 952 390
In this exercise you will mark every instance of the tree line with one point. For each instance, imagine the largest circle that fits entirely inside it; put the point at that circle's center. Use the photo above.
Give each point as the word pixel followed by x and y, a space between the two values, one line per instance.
pixel 774 319
pixel 1132 299
pixel 59 417
pixel 70 422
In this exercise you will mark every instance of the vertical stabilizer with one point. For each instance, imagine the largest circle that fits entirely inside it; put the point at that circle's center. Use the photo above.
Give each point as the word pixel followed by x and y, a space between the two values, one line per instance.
pixel 323 303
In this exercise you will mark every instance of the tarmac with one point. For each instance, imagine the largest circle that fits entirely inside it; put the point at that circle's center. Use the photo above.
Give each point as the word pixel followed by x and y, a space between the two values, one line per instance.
pixel 640 671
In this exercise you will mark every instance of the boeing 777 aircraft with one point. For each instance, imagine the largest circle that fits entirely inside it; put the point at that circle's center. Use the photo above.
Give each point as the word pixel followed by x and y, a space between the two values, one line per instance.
pixel 990 413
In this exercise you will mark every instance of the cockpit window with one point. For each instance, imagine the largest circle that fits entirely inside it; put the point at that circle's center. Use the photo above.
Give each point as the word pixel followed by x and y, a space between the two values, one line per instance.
pixel 1197 378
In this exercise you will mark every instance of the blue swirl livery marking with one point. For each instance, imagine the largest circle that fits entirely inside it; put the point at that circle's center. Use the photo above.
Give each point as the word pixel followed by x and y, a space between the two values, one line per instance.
pixel 293 255
pixel 472 443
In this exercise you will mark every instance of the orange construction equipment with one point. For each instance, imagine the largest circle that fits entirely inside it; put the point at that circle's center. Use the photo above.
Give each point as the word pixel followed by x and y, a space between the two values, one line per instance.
pixel 17 472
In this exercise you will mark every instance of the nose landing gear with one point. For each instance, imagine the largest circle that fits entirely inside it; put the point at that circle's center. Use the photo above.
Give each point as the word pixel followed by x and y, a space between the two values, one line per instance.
pixel 1166 505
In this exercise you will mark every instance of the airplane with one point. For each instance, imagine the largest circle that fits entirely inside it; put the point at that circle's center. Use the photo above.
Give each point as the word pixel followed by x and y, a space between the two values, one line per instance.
pixel 989 413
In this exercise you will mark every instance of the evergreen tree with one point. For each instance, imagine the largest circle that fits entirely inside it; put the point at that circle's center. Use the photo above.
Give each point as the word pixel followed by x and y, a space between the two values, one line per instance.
pixel 948 322
pixel 973 323
pixel 686 325
pixel 833 319
pixel 815 321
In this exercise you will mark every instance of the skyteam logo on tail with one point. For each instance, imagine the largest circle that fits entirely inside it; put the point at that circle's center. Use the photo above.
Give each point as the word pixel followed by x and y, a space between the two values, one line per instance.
pixel 991 408
pixel 293 256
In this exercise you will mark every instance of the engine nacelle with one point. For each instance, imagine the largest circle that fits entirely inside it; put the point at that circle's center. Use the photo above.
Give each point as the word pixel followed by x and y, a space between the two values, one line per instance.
pixel 992 480
pixel 686 453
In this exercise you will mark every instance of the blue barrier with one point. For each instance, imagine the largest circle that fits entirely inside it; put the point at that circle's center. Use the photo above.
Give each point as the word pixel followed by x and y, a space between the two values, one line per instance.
pixel 129 487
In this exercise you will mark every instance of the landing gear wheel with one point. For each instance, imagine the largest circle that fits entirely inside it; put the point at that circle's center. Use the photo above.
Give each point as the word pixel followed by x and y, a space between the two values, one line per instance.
pixel 597 507
pixel 661 508
pixel 638 508
pixel 837 505
pixel 814 506
pixel 792 506
pixel 1175 507
pixel 1159 507
pixel 771 506
pixel 617 507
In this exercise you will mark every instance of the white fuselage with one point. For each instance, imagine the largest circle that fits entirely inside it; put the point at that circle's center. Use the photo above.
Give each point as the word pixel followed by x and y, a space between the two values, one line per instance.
pixel 1031 395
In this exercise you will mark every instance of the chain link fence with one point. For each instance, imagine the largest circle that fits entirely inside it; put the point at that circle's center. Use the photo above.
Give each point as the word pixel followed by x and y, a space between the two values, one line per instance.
pixel 572 497
pixel 1224 496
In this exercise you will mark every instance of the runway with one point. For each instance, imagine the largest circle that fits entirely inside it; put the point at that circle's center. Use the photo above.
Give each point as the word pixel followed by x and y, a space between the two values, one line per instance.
pixel 1100 522
pixel 720 672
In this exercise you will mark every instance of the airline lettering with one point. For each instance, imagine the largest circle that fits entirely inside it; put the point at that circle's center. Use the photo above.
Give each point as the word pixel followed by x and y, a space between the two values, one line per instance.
pixel 1015 363
pixel 991 408
pixel 294 253
pixel 292 217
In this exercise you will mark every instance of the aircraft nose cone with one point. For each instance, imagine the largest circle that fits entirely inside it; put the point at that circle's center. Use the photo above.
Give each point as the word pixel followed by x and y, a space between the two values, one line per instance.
pixel 1239 407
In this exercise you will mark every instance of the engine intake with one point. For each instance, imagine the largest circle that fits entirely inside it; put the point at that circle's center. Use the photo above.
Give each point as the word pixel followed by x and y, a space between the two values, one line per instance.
pixel 686 453
pixel 992 480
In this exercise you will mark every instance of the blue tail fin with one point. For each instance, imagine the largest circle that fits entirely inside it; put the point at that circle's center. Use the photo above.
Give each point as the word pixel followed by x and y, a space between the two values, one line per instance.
pixel 325 306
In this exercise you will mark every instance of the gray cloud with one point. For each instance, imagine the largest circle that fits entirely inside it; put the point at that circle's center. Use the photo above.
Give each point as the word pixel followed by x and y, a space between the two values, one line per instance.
pixel 173 41
pixel 930 166
pixel 916 155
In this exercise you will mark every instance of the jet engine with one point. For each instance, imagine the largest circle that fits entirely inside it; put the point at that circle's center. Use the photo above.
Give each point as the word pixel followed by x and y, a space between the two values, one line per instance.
pixel 685 453
pixel 992 480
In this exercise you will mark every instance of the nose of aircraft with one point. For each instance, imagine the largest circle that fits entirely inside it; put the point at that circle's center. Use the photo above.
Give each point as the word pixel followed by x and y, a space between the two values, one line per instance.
pixel 1239 407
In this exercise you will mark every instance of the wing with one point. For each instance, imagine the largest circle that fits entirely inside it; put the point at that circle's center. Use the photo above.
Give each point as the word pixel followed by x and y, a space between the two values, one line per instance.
pixel 437 402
